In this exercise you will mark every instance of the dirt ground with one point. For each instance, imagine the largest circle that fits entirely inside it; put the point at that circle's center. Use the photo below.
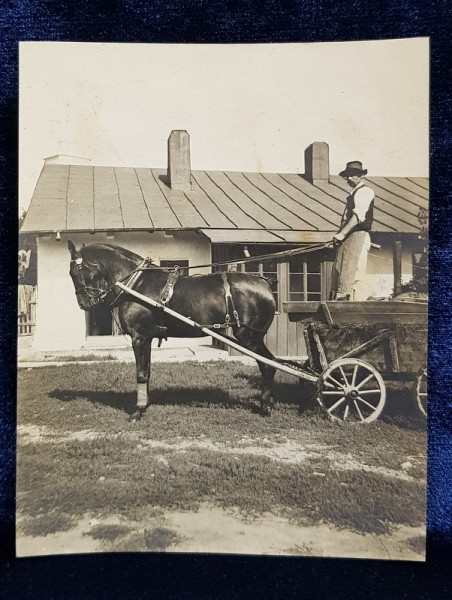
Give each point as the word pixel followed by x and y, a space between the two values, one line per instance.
pixel 213 530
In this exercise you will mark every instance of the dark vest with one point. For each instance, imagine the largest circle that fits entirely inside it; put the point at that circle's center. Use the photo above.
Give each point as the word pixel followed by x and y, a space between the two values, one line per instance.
pixel 366 225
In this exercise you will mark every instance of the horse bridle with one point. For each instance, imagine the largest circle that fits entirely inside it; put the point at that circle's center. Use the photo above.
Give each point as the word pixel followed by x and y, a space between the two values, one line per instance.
pixel 98 295
pixel 95 295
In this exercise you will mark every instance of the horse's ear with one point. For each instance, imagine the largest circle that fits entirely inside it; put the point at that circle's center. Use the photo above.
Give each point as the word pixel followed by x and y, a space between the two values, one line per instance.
pixel 71 248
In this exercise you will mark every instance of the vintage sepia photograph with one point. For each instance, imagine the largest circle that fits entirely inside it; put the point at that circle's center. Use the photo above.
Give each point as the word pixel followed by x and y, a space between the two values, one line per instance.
pixel 222 298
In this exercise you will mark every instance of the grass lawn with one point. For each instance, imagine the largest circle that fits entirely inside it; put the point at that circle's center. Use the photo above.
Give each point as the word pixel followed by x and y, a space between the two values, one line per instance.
pixel 203 440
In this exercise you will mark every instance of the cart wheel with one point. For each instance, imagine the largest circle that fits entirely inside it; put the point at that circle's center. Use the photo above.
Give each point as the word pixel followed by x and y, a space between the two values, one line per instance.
pixel 351 390
pixel 420 390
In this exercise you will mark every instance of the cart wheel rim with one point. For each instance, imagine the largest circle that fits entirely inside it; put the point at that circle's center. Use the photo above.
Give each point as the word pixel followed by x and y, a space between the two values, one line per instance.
pixel 421 390
pixel 351 389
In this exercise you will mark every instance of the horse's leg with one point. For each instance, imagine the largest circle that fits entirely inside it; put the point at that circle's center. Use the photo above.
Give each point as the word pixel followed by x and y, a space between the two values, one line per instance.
pixel 142 350
pixel 254 341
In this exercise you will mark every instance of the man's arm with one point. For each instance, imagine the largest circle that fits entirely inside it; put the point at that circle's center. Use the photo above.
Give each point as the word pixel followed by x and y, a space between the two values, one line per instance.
pixel 340 235
pixel 363 198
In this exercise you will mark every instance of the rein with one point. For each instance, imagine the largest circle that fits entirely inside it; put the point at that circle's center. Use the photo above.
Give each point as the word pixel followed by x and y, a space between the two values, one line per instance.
pixel 282 254
pixel 99 295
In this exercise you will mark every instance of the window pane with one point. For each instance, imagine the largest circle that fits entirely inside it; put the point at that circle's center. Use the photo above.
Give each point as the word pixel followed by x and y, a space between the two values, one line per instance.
pixel 296 264
pixel 314 283
pixel 270 265
pixel 252 267
pixel 314 261
pixel 296 283
pixel 296 297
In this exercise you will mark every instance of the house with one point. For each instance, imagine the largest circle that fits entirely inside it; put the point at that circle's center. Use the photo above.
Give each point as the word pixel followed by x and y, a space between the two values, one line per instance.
pixel 188 217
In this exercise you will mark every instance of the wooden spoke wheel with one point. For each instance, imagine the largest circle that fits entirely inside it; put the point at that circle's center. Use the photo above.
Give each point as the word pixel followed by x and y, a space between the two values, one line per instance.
pixel 351 390
pixel 420 390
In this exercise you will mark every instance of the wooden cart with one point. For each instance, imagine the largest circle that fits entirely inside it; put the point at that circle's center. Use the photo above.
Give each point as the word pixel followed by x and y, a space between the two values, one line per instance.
pixel 390 335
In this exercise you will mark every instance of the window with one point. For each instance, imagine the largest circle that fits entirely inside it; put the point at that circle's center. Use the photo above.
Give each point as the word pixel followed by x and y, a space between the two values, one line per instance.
pixel 305 281
pixel 170 264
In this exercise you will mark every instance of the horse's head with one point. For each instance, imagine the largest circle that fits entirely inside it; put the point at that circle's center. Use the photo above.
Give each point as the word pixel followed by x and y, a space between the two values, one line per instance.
pixel 24 262
pixel 89 278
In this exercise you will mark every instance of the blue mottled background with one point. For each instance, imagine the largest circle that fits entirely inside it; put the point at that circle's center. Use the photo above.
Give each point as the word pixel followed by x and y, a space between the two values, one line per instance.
pixel 215 21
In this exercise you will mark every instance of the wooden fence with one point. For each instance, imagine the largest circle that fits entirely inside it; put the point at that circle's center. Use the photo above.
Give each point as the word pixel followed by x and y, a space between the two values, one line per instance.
pixel 26 314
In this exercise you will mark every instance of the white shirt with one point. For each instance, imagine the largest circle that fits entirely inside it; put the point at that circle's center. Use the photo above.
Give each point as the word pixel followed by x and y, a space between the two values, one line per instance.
pixel 362 196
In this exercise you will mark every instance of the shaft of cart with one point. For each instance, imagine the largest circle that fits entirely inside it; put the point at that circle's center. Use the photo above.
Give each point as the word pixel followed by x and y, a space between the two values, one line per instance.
pixel 277 365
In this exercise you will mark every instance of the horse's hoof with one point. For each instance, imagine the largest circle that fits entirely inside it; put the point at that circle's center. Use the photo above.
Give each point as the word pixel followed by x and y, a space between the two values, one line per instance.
pixel 266 411
pixel 136 416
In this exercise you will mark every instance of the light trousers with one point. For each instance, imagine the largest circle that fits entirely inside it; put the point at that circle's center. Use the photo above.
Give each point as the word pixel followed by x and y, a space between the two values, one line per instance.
pixel 350 263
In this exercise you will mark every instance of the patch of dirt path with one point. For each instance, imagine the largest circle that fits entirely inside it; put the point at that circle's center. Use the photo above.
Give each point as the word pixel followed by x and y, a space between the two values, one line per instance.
pixel 213 530
pixel 286 451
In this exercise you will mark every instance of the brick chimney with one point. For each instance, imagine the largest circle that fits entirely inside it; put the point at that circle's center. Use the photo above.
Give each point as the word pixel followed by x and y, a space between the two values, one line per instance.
pixel 317 162
pixel 179 173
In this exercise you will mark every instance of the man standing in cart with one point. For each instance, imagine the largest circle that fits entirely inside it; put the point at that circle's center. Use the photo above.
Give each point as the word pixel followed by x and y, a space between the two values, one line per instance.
pixel 353 236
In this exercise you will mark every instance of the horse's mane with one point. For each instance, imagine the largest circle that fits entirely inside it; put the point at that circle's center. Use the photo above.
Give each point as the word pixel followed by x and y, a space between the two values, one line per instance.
pixel 127 254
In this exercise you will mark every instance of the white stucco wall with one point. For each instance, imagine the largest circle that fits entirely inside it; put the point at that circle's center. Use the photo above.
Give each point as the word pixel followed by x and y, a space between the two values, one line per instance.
pixel 379 281
pixel 60 324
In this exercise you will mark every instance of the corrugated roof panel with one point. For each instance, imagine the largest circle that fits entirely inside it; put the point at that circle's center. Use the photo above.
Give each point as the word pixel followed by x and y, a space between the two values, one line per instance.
pixel 404 197
pixel 80 198
pixel 246 205
pixel 81 172
pixel 134 212
pixel 105 181
pixel 133 207
pixel 422 182
pixel 184 210
pixel 160 211
pixel 80 214
pixel 278 205
pixel 107 208
pixel 43 194
pixel 223 202
pixel 313 205
pixel 284 196
pixel 85 198
pixel 45 215
pixel 107 213
pixel 209 210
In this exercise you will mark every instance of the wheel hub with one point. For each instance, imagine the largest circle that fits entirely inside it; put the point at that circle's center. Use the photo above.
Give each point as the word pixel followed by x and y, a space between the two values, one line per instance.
pixel 352 394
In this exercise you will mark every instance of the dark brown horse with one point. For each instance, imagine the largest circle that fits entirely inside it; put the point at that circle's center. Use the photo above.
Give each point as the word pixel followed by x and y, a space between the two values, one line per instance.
pixel 245 301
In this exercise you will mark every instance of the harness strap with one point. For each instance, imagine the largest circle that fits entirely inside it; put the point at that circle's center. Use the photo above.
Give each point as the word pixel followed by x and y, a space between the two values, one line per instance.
pixel 160 331
pixel 167 292
pixel 130 281
pixel 229 299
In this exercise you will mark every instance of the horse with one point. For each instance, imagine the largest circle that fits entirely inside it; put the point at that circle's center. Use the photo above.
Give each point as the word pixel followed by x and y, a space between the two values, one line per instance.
pixel 206 299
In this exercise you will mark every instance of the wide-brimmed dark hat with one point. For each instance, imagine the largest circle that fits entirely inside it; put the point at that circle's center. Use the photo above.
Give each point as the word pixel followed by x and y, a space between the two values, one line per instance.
pixel 355 167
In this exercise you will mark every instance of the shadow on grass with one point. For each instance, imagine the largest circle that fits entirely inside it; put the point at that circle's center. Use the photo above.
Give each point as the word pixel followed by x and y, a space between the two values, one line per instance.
pixel 196 397
pixel 289 393
pixel 124 401
pixel 401 410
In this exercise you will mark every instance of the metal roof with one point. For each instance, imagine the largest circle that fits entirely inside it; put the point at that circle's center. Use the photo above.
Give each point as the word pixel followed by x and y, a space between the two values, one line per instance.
pixel 226 206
